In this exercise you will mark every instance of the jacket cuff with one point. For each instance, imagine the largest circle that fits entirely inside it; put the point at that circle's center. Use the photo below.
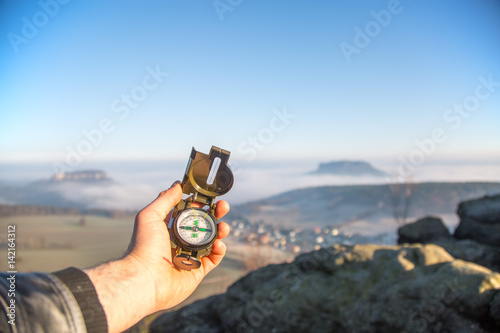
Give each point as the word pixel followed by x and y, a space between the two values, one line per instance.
pixel 86 296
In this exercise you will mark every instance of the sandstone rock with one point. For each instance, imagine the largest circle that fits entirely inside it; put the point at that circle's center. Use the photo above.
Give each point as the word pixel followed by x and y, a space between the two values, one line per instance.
pixel 480 220
pixel 486 209
pixel 495 308
pixel 422 231
pixel 360 288
pixel 480 232
pixel 469 250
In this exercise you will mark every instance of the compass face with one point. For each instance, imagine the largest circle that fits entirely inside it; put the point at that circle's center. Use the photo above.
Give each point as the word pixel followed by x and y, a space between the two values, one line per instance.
pixel 196 228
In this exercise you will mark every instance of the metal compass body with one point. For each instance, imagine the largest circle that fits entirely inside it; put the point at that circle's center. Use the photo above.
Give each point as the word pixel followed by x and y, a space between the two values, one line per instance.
pixel 194 230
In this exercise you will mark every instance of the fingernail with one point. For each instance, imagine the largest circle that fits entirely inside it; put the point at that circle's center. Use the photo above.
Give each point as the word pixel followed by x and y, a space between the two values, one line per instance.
pixel 175 183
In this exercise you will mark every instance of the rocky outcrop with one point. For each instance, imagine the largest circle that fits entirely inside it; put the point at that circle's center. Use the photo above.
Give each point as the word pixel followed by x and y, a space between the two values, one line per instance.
pixel 348 168
pixel 424 230
pixel 480 220
pixel 360 288
pixel 476 239
pixel 469 250
pixel 433 282
pixel 81 176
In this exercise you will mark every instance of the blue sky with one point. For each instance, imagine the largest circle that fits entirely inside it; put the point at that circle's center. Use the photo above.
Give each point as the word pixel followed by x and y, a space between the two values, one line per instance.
pixel 229 78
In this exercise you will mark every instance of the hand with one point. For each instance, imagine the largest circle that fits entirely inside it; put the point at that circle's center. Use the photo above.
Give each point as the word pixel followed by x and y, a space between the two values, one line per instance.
pixel 144 281
pixel 151 247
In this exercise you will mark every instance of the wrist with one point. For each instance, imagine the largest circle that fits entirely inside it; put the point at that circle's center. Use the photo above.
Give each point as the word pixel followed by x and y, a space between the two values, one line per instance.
pixel 125 290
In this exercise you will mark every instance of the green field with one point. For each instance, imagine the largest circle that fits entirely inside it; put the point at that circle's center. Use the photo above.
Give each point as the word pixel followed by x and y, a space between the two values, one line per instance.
pixel 49 243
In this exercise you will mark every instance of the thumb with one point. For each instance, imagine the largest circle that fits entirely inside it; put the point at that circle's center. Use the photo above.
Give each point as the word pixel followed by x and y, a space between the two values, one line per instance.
pixel 149 222
pixel 164 203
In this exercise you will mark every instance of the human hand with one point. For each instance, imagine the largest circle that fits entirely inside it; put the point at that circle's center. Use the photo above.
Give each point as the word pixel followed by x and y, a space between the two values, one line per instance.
pixel 151 247
pixel 144 280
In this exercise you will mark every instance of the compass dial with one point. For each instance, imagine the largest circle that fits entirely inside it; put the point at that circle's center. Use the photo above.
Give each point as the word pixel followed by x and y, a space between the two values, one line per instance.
pixel 196 228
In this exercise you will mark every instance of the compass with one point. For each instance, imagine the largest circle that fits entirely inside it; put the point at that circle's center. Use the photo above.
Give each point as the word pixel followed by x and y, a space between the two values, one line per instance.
pixel 193 230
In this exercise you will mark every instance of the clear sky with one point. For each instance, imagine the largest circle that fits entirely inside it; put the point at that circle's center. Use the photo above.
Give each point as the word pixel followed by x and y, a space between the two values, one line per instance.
pixel 267 80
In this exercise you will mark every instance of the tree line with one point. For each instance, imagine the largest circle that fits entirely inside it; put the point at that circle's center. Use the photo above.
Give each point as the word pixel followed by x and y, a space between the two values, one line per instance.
pixel 16 210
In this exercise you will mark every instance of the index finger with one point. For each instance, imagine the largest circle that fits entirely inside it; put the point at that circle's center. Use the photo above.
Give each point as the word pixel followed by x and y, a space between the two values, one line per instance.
pixel 221 209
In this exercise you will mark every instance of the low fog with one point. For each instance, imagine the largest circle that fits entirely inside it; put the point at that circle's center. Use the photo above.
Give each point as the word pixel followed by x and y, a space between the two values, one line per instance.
pixel 135 184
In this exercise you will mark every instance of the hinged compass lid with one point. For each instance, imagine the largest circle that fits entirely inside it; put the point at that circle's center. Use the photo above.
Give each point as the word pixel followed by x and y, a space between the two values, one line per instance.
pixel 208 175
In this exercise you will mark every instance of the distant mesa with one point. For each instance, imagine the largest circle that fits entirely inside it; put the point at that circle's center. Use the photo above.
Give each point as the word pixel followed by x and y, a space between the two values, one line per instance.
pixel 88 176
pixel 348 168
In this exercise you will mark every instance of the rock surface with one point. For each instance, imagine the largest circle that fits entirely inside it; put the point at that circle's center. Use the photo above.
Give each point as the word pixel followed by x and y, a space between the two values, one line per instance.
pixel 477 238
pixel 360 288
pixel 432 230
pixel 424 230
pixel 485 210
pixel 480 220
pixel 469 250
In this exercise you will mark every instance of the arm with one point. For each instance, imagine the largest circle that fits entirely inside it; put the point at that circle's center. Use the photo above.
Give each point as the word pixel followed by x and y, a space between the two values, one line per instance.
pixel 144 281
pixel 64 301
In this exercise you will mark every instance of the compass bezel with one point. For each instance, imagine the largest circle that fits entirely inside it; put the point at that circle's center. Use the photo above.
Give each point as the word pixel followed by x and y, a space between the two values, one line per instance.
pixel 211 220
